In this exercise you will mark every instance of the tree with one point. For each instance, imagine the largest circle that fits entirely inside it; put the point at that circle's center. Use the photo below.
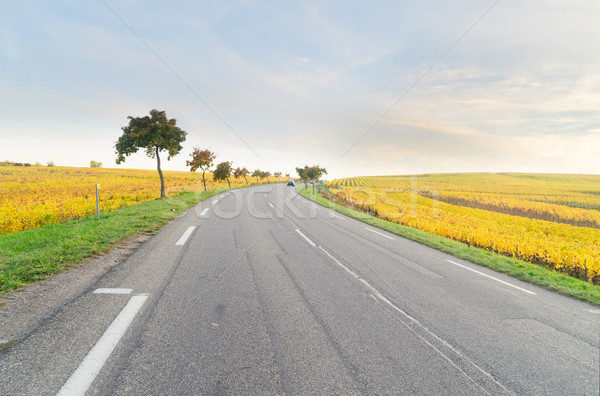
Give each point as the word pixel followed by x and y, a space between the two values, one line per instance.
pixel 287 176
pixel 314 173
pixel 202 159
pixel 302 174
pixel 237 173
pixel 265 174
pixel 257 173
pixel 241 172
pixel 223 172
pixel 94 164
pixel 154 133
pixel 277 175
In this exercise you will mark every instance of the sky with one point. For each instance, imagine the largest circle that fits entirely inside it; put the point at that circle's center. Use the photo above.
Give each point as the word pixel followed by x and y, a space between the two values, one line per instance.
pixel 360 88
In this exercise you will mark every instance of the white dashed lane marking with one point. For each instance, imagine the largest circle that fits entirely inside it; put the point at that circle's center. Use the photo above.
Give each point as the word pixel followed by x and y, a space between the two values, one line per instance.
pixel 112 291
pixel 181 241
pixel 79 382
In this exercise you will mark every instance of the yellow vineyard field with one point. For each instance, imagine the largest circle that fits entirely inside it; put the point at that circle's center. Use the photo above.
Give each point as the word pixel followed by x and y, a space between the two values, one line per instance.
pixel 31 197
pixel 551 220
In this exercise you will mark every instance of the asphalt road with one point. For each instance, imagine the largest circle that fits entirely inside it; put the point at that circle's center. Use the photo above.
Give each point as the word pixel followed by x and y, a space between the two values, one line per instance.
pixel 258 291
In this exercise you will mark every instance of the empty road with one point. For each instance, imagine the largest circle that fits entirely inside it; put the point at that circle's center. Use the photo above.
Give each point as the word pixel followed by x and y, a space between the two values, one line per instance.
pixel 259 291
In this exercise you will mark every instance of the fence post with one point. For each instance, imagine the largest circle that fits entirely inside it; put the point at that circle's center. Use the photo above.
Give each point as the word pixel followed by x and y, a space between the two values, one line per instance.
pixel 97 203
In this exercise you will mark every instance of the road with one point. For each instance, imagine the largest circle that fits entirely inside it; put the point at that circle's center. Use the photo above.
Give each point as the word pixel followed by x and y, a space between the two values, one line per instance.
pixel 259 291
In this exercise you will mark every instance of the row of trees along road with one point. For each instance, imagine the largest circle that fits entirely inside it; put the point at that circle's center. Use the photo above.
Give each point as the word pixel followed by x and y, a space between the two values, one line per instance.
pixel 157 133
pixel 311 173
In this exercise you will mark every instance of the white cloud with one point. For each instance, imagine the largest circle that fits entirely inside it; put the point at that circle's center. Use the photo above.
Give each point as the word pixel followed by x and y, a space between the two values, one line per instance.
pixel 301 82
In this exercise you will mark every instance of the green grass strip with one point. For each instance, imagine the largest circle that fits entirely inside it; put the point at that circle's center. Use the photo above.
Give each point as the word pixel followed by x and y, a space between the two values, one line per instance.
pixel 31 255
pixel 519 269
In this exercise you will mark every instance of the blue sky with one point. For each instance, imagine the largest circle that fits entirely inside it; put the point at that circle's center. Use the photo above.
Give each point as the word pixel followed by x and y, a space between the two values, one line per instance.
pixel 301 82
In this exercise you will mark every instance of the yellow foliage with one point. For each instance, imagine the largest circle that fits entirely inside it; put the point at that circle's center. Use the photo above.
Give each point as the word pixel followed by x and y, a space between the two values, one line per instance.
pixel 31 197
pixel 551 220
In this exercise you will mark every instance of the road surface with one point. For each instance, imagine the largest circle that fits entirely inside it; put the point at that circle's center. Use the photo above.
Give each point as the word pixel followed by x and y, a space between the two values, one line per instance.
pixel 259 291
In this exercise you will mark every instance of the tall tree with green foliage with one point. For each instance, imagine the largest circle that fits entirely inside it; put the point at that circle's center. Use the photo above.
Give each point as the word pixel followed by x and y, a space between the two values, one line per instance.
pixel 154 133
pixel 202 159
pixel 223 172
pixel 277 175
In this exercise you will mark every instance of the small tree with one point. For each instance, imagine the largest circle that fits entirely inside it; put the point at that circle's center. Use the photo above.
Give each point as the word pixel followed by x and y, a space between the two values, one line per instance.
pixel 277 175
pixel 257 173
pixel 314 173
pixel 265 174
pixel 241 172
pixel 94 164
pixel 245 173
pixel 302 174
pixel 50 163
pixel 223 172
pixel 154 134
pixel 202 159
pixel 237 173
pixel 287 176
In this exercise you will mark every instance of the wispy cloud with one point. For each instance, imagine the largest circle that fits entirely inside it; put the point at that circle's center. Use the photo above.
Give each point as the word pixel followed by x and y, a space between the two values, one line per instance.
pixel 301 80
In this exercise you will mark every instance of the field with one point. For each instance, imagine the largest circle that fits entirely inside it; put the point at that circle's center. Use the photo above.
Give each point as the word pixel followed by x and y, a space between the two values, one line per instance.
pixel 550 220
pixel 32 197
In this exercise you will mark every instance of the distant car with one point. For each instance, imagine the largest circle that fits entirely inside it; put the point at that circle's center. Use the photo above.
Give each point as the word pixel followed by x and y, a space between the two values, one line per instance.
pixel 291 183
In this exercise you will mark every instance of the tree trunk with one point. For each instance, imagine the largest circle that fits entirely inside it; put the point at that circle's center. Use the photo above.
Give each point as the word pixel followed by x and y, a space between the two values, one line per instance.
pixel 228 182
pixel 246 180
pixel 162 179
pixel 313 188
pixel 203 180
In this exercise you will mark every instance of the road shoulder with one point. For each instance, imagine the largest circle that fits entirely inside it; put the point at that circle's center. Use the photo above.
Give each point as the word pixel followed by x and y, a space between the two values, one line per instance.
pixel 24 309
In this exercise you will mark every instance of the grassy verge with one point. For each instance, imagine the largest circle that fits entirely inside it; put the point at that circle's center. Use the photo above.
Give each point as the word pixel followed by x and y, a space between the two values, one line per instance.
pixel 519 269
pixel 31 255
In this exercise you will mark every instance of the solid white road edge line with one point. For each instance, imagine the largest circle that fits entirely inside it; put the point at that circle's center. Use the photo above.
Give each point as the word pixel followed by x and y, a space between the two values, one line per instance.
pixel 339 217
pixel 271 205
pixel 379 233
pixel 491 277
pixel 215 201
pixel 306 238
pixel 115 290
pixel 204 211
pixel 382 298
pixel 181 241
pixel 79 382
